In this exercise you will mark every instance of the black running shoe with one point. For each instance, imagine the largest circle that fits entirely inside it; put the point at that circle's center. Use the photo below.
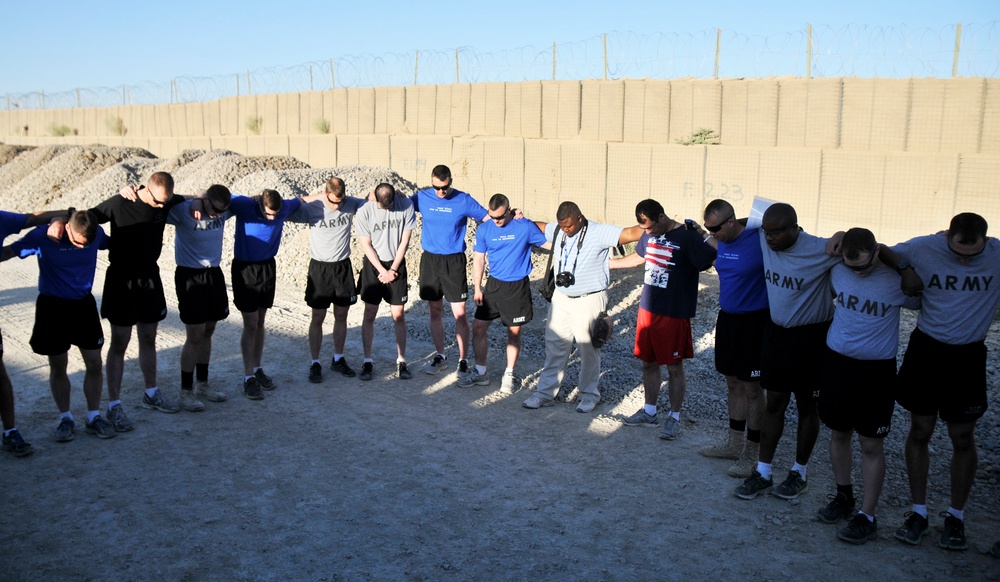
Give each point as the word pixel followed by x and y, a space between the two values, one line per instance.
pixel 953 536
pixel 366 371
pixel 859 530
pixel 342 367
pixel 840 507
pixel 315 373
pixel 914 528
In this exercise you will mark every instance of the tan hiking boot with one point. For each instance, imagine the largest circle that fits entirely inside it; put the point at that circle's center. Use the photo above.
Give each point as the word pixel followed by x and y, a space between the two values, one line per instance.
pixel 745 466
pixel 731 449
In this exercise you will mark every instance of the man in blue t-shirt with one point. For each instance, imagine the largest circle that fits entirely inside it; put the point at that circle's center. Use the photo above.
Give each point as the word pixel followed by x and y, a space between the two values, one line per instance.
pixel 260 221
pixel 443 274
pixel 673 257
pixel 506 243
pixel 739 333
pixel 944 369
pixel 12 223
pixel 66 314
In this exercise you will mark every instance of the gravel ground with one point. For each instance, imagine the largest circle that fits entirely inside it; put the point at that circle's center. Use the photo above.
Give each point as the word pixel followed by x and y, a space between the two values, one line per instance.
pixel 62 176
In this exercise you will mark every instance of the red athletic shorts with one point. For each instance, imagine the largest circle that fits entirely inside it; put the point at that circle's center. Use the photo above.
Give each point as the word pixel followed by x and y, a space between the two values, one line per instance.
pixel 662 339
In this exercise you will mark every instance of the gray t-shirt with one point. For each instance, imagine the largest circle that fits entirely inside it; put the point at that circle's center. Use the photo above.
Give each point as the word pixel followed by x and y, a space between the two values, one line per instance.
pixel 798 281
pixel 959 301
pixel 386 227
pixel 197 243
pixel 329 230
pixel 866 316
pixel 589 262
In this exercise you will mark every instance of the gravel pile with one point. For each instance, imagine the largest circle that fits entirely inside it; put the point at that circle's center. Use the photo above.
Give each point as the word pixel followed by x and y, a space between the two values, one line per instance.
pixel 61 176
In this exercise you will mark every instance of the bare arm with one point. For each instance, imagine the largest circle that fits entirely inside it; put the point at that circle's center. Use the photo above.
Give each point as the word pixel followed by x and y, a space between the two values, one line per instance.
pixel 7 254
pixel 630 234
pixel 40 217
pixel 628 261
pixel 478 266
pixel 910 282
pixel 401 250
pixel 370 254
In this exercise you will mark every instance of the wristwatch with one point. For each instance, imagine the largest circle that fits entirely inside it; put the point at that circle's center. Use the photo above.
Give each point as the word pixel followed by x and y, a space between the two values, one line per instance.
pixel 902 266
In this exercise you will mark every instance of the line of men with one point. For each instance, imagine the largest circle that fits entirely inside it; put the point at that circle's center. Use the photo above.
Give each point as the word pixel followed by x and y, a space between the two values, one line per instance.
pixel 772 332
pixel 833 306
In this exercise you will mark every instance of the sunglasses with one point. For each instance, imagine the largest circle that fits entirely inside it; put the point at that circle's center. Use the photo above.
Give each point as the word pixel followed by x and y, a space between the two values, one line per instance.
pixel 443 188
pixel 718 227
pixel 860 268
pixel 216 211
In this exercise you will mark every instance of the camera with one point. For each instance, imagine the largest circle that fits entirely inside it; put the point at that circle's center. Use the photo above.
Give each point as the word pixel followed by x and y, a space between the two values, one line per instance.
pixel 565 279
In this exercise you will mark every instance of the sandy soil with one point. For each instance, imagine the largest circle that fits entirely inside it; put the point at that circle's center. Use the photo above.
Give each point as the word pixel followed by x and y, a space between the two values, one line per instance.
pixel 391 479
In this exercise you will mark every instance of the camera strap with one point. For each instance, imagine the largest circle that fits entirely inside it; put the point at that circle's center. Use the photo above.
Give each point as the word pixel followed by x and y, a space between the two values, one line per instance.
pixel 579 246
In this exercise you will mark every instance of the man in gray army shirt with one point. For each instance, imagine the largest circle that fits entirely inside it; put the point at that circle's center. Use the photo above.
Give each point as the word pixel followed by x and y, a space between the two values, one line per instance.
pixel 944 368
pixel 329 215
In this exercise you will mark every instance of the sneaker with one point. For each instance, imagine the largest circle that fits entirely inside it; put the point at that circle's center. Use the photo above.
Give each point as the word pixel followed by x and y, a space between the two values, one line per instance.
pixel 158 402
pixel 463 368
pixel 205 390
pixel 671 428
pixel 793 486
pixel 474 379
pixel 859 530
pixel 509 384
pixel 117 418
pixel 316 373
pixel 402 372
pixel 366 371
pixel 537 401
pixel 840 507
pixel 101 428
pixel 265 381
pixel 436 365
pixel 731 449
pixel 753 486
pixel 64 432
pixel 640 418
pixel 914 528
pixel 586 405
pixel 16 444
pixel 342 367
pixel 189 402
pixel 953 536
pixel 251 388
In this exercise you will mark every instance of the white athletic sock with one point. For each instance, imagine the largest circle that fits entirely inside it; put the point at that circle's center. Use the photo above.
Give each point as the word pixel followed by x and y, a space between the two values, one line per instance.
pixel 443 356
pixel 369 360
pixel 113 403
pixel 92 414
pixel 245 378
pixel 800 469
pixel 920 510
pixel 66 414
pixel 871 518
pixel 508 371
pixel 676 415
pixel 764 469
pixel 338 357
pixel 151 391
pixel 7 432
pixel 400 360
pixel 959 513
pixel 256 369
pixel 316 362
pixel 650 409
pixel 481 370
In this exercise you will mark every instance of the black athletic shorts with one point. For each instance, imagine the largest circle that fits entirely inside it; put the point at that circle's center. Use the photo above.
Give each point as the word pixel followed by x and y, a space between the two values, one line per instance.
pixel 61 323
pixel 738 339
pixel 943 379
pixel 133 296
pixel 374 291
pixel 201 295
pixel 857 395
pixel 508 300
pixel 444 276
pixel 791 359
pixel 331 283
pixel 253 284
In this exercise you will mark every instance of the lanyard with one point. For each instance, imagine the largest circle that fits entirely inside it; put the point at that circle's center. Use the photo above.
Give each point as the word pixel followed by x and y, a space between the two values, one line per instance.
pixel 564 254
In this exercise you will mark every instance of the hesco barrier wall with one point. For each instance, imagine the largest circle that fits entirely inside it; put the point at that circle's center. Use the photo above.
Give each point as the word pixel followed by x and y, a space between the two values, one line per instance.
pixel 899 156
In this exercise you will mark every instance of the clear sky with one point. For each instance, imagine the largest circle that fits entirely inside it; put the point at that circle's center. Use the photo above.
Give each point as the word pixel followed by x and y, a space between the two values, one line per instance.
pixel 55 46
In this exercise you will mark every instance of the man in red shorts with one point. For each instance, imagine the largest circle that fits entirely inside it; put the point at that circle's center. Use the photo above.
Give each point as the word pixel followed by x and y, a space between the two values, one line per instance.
pixel 673 257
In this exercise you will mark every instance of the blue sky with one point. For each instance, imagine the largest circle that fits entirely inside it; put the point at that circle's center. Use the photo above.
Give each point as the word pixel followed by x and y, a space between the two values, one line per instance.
pixel 58 46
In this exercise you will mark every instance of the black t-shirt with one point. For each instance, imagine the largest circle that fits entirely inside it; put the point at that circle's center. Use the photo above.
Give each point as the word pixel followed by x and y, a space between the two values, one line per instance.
pixel 136 230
